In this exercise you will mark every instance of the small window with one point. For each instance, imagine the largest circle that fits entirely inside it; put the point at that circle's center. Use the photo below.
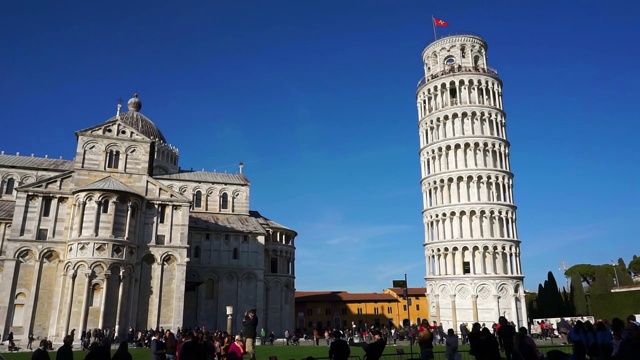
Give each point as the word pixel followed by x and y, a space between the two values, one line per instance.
pixel 375 311
pixel 133 212
pixel 404 307
pixel 159 239
pixel 450 61
pixel 359 311
pixel 417 306
pixel 327 311
pixel 105 206
pixel 46 207
pixel 274 265
pixel 309 312
pixel 226 237
pixel 113 159
pixel 42 234
pixel 162 209
pixel 197 201
pixel 389 310
pixel 245 239
pixel 196 252
pixel 466 267
pixel 9 187
pixel 207 236
pixel 343 311
pixel 224 201
pixel 235 254
pixel 289 267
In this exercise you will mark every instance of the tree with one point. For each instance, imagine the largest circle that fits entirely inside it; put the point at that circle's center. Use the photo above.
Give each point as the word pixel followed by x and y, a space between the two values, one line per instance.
pixel 577 293
pixel 585 271
pixel 603 280
pixel 550 302
pixel 634 265
pixel 624 277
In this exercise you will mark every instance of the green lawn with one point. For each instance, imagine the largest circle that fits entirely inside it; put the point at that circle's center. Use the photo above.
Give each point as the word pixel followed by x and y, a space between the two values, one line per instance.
pixel 291 352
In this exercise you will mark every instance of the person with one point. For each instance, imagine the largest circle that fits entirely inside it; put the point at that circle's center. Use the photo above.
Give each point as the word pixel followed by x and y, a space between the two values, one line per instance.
pixel 250 323
pixel 425 341
pixel 630 345
pixel 29 344
pixel 65 352
pixel 123 352
pixel 263 336
pixel 224 349
pixel 339 349
pixel 451 343
pixel 272 337
pixel 191 348
pixel 525 347
pixel 563 330
pixel 41 352
pixel 286 336
pixel 374 350
pixel 506 334
pixel 157 347
pixel 236 350
pixel 170 345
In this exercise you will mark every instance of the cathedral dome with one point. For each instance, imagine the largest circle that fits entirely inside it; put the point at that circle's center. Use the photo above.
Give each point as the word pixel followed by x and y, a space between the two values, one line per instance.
pixel 139 122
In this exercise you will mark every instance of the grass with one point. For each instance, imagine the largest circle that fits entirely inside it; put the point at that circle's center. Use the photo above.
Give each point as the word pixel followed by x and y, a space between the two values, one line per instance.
pixel 293 352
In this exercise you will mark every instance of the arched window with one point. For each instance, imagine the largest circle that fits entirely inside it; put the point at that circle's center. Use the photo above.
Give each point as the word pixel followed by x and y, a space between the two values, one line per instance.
pixel 224 201
pixel 113 159
pixel 197 201
pixel 209 291
pixel 235 254
pixel 9 187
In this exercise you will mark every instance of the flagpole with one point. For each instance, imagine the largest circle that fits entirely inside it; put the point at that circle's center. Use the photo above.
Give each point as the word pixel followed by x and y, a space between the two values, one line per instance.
pixel 433 22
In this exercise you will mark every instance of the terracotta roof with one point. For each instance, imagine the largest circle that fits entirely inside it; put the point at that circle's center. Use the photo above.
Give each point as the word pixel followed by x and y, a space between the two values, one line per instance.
pixel 224 222
pixel 107 183
pixel 35 162
pixel 6 209
pixel 341 296
pixel 412 291
pixel 206 176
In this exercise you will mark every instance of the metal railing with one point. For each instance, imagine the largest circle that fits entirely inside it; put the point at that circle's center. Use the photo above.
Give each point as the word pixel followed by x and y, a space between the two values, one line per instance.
pixel 453 69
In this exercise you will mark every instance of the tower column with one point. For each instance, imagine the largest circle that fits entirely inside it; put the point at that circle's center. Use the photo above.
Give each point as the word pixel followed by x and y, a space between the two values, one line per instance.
pixel 71 281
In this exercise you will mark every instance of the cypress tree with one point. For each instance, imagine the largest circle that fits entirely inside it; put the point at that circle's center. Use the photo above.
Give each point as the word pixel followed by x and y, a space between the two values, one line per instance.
pixel 577 293
pixel 603 280
pixel 624 276
pixel 554 300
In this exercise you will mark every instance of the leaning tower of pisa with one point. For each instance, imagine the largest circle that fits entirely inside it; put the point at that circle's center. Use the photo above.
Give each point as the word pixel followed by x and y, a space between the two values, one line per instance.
pixel 472 251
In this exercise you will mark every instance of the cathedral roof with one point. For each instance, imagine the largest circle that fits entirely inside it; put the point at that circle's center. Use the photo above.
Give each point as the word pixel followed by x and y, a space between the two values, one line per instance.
pixel 266 222
pixel 224 222
pixel 341 296
pixel 6 209
pixel 205 176
pixel 108 183
pixel 139 122
pixel 35 162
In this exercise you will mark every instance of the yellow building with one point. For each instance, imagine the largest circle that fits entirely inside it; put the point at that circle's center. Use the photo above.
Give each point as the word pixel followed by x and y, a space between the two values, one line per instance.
pixel 344 310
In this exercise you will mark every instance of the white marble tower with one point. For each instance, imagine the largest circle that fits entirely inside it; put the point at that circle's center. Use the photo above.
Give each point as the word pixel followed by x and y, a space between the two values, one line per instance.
pixel 472 251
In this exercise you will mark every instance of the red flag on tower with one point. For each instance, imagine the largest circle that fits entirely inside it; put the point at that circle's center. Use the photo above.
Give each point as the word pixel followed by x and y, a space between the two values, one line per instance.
pixel 440 22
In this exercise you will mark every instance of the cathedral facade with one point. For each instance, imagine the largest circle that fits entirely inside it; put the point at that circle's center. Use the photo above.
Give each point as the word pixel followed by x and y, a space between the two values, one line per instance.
pixel 121 237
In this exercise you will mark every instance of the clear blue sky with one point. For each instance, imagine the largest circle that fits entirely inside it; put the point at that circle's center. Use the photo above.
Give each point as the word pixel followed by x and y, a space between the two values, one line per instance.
pixel 318 99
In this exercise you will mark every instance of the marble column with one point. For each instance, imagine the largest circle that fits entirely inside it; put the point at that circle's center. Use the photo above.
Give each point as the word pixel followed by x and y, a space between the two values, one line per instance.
pixel 71 282
pixel 103 300
pixel 474 304
pixel 454 312
pixel 85 300
pixel 120 279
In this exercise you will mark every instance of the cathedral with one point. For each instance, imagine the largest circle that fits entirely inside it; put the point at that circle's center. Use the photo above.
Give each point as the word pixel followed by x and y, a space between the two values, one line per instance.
pixel 121 237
